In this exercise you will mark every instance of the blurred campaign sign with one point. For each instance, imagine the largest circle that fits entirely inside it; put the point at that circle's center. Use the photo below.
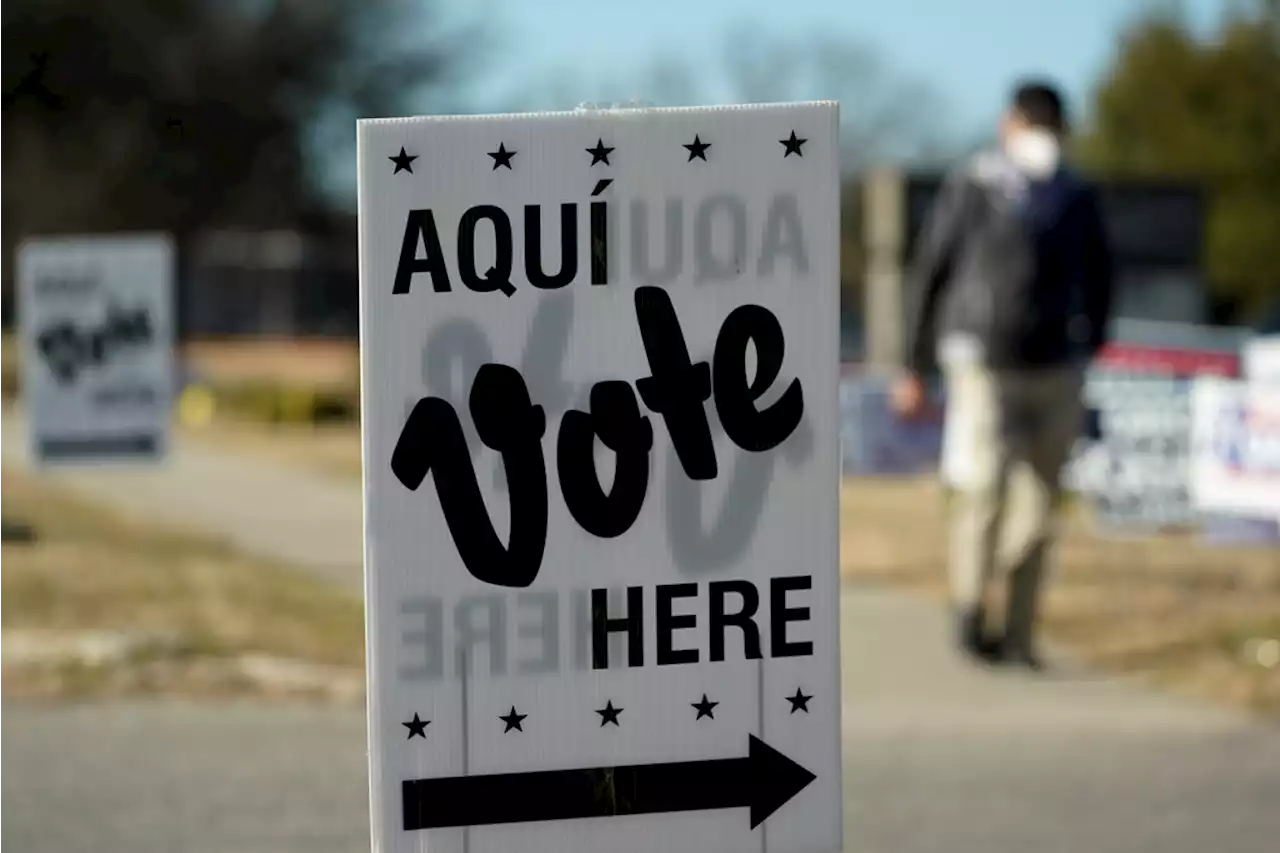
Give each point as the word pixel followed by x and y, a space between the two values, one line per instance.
pixel 599 372
pixel 1235 460
pixel 1136 472
pixel 875 441
pixel 96 337
pixel 1136 468
pixel 1261 359
pixel 1144 347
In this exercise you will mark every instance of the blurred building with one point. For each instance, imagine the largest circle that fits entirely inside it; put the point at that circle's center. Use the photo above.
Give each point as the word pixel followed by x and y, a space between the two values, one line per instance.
pixel 277 284
pixel 1156 229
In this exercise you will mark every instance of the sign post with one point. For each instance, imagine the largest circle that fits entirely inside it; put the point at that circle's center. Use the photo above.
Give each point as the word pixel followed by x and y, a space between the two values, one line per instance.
pixel 600 429
pixel 96 337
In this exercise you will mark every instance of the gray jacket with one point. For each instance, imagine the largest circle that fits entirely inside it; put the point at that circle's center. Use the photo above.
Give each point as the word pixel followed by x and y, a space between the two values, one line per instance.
pixel 1018 267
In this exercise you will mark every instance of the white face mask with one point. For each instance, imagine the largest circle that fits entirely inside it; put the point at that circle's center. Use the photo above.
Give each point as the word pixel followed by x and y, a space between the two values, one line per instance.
pixel 1036 152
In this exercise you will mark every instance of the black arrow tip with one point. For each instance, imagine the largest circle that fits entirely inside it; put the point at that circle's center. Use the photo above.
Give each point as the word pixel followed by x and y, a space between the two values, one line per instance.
pixel 777 779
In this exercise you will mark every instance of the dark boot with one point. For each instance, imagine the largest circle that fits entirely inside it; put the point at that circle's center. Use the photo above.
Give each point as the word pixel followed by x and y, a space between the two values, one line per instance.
pixel 1020 619
pixel 973 640
pixel 1022 656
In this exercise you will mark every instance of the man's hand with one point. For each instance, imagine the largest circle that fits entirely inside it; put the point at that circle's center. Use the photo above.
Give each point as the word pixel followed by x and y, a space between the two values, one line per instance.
pixel 907 396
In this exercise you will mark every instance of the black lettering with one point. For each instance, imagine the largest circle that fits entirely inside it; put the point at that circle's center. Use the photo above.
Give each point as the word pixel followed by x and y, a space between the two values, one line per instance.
pixel 616 418
pixel 780 615
pixel 669 623
pixel 676 388
pixel 743 619
pixel 533 247
pixel 63 350
pixel 420 224
pixel 602 625
pixel 432 441
pixel 749 428
pixel 599 242
pixel 498 276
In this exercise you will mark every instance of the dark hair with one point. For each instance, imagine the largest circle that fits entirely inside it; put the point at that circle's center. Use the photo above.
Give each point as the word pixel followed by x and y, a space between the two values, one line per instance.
pixel 1040 104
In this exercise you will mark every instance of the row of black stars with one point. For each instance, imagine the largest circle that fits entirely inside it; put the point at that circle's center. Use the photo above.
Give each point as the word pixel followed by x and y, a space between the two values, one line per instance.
pixel 600 153
pixel 608 714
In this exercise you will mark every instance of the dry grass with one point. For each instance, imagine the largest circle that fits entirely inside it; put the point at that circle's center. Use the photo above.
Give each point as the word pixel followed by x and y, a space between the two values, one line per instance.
pixel 1168 608
pixel 194 613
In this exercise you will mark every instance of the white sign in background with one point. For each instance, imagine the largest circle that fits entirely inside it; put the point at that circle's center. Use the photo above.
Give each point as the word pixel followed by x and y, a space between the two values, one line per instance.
pixel 511 252
pixel 1137 473
pixel 96 336
pixel 1235 441
pixel 1261 357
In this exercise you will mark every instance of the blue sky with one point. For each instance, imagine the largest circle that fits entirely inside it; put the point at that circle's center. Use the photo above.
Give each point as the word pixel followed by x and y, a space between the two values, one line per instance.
pixel 966 50
pixel 551 54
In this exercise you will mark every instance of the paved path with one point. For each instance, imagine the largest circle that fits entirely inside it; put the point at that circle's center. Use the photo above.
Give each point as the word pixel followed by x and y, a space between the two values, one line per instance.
pixel 938 756
pixel 160 778
pixel 943 757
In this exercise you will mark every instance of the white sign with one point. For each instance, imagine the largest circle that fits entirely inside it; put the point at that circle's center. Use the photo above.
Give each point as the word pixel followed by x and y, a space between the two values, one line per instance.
pixel 1137 473
pixel 1261 357
pixel 1235 460
pixel 600 369
pixel 96 331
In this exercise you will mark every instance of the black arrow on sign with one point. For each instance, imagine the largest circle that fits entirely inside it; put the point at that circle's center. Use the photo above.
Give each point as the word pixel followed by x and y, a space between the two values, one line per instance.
pixel 762 782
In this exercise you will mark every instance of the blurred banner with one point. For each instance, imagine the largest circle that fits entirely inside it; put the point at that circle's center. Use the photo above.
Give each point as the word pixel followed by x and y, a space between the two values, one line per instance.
pixel 1235 459
pixel 876 442
pixel 1262 359
pixel 1137 471
pixel 1136 474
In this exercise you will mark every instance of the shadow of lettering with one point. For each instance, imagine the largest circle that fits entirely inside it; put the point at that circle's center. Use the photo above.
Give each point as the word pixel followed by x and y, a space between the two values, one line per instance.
pixel 499 635
pixel 698 548
pixel 455 350
pixel 451 356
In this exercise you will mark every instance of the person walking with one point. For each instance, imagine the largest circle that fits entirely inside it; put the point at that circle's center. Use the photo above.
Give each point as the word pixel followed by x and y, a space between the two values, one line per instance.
pixel 1012 287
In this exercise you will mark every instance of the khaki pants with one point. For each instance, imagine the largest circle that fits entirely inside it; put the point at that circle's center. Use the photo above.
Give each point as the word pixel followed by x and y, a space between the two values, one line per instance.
pixel 1008 435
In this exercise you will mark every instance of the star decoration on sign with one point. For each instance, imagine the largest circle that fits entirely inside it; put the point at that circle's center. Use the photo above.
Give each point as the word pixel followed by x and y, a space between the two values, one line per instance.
pixel 600 154
pixel 799 702
pixel 704 708
pixel 609 714
pixel 793 145
pixel 513 720
pixel 417 727
pixel 403 161
pixel 697 148
pixel 501 157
